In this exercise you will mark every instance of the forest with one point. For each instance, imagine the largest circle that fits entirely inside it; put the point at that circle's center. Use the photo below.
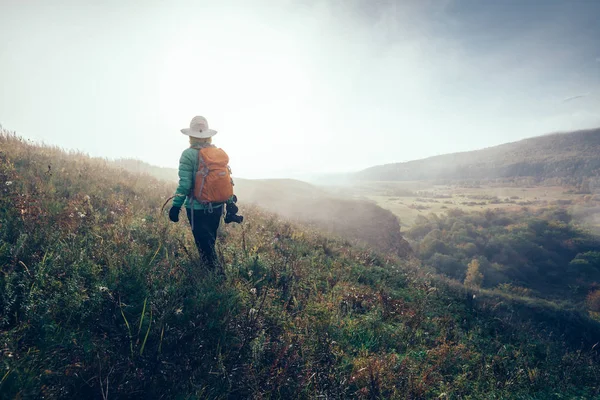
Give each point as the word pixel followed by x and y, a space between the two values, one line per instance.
pixel 541 253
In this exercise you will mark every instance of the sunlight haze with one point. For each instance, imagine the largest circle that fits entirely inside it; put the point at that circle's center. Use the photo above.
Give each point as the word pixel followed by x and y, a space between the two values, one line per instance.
pixel 297 88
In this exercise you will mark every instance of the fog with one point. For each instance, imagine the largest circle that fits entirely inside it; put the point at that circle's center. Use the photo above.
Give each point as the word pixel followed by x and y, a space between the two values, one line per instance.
pixel 297 88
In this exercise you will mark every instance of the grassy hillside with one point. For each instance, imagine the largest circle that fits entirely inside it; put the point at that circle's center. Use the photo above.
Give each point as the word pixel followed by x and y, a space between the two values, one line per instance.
pixel 569 156
pixel 101 297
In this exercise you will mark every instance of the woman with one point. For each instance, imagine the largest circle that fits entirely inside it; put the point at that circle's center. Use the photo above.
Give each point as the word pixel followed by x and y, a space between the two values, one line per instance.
pixel 203 212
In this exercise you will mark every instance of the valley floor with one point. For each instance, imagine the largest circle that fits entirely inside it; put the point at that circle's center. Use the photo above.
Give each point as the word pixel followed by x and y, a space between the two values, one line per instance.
pixel 407 200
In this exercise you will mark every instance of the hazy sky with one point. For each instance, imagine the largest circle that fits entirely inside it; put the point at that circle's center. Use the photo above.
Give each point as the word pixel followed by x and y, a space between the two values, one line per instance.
pixel 297 87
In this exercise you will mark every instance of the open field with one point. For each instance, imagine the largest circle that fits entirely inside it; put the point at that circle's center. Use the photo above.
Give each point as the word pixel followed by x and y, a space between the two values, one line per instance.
pixel 407 200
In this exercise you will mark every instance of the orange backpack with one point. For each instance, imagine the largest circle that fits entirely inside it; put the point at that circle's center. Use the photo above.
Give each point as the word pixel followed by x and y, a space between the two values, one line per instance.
pixel 212 183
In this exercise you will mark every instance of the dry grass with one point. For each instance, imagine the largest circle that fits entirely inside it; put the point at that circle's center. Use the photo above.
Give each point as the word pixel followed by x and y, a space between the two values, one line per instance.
pixel 408 200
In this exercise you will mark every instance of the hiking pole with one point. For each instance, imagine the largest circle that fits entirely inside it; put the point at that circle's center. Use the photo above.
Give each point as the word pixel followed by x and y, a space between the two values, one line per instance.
pixel 166 202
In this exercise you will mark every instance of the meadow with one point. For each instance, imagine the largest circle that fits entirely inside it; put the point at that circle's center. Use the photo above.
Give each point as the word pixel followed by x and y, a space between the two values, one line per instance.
pixel 102 297
pixel 408 200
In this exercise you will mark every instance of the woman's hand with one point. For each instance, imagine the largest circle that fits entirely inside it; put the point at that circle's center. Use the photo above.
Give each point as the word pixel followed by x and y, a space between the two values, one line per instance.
pixel 174 214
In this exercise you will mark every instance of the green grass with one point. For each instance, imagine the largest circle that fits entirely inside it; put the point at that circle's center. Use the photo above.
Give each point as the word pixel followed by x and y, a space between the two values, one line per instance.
pixel 101 297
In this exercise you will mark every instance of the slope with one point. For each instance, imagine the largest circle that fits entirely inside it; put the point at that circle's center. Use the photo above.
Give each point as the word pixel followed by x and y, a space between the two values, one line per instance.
pixel 572 155
pixel 361 222
pixel 101 297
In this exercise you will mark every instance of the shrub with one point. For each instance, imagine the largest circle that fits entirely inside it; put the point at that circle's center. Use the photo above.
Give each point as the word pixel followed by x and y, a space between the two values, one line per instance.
pixel 593 301
pixel 474 276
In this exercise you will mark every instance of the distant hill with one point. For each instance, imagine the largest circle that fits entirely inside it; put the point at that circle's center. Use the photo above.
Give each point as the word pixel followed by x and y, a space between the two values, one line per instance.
pixel 141 167
pixel 562 155
pixel 351 219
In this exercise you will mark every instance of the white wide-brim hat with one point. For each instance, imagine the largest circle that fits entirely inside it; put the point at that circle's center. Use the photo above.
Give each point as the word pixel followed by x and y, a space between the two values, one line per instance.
pixel 199 128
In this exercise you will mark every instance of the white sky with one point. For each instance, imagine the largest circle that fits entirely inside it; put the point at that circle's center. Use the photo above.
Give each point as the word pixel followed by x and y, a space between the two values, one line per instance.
pixel 297 87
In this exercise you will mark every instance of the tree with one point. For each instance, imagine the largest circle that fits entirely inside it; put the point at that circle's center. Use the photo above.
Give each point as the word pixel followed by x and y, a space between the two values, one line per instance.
pixel 431 246
pixel 447 265
pixel 474 276
pixel 593 301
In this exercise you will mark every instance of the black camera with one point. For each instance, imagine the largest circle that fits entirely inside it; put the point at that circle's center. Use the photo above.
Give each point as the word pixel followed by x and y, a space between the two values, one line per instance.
pixel 231 213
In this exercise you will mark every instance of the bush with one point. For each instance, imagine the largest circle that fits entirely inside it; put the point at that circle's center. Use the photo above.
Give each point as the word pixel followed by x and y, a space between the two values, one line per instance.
pixel 593 301
pixel 474 276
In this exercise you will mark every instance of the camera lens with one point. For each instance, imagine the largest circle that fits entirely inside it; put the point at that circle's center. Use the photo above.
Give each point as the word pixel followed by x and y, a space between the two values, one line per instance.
pixel 229 218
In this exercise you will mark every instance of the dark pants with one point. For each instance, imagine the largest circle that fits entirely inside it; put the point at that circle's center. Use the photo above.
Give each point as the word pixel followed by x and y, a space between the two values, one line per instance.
pixel 205 234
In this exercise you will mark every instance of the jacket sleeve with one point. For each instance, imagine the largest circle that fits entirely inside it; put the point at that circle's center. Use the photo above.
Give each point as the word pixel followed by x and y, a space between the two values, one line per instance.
pixel 186 174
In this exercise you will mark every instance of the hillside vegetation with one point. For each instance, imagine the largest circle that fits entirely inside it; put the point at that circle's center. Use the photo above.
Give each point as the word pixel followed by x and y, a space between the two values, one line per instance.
pixel 101 297
pixel 566 157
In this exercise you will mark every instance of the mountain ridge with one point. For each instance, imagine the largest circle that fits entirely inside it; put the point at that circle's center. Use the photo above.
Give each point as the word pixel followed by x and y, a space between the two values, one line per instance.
pixel 558 155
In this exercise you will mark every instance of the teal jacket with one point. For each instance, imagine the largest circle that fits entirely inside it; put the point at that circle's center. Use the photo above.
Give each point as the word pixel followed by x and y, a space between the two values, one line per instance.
pixel 188 165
